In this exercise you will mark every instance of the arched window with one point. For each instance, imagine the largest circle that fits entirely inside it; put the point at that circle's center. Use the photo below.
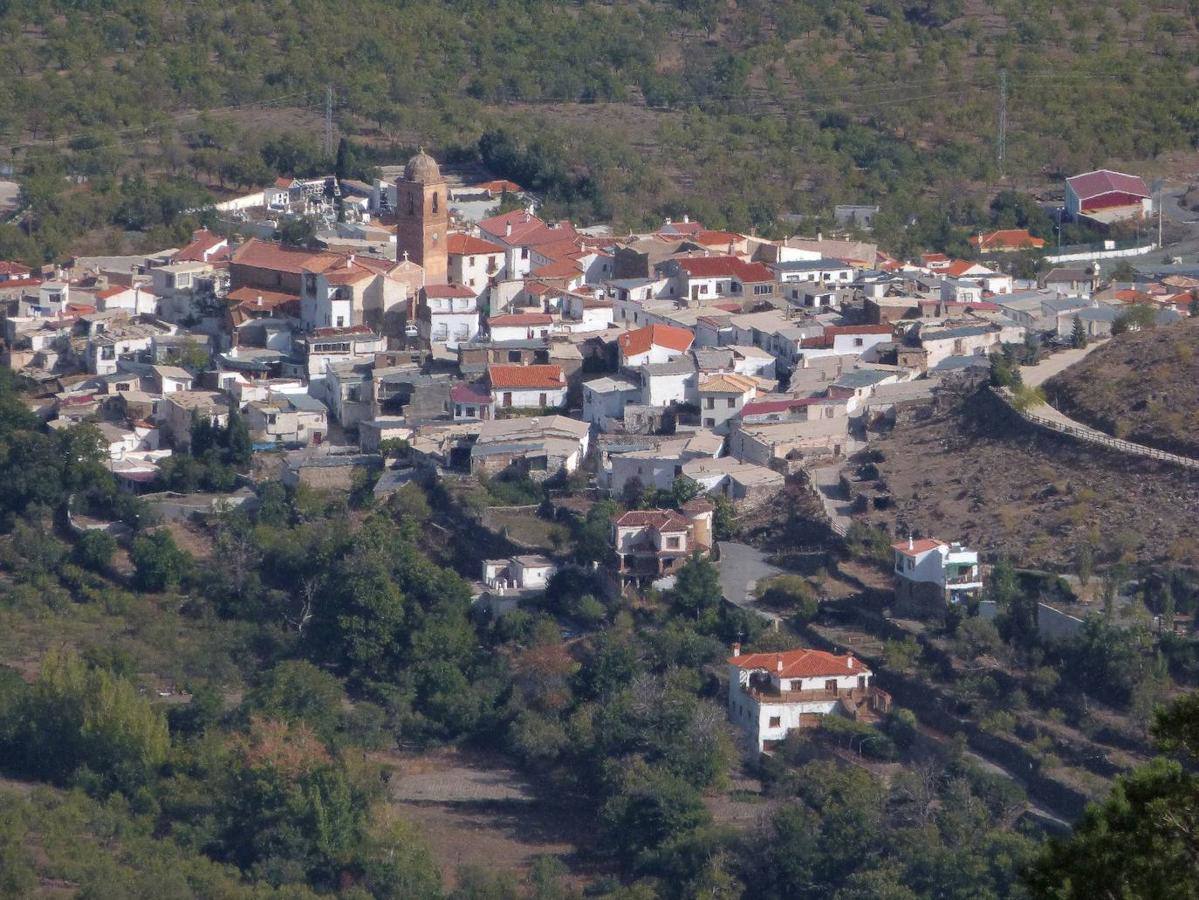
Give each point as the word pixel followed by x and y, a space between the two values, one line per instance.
pixel 434 201
pixel 411 205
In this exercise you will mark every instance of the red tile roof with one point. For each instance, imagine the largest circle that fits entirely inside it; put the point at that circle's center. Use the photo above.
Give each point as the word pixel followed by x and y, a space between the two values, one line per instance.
pixel 338 332
pixel 913 548
pixel 725 267
pixel 960 267
pixel 800 663
pixel 448 290
pixel 265 255
pixel 547 377
pixel 634 343
pixel 464 245
pixel 562 268
pixel 200 249
pixel 14 268
pixel 251 295
pixel 1007 239
pixel 523 226
pixel 763 407
pixel 658 519
pixel 518 320
pixel 716 238
pixel 499 185
pixel 1105 181
pixel 469 393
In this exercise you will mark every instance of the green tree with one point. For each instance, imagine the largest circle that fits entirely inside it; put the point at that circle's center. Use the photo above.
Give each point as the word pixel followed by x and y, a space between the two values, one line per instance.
pixel 94 550
pixel 1078 334
pixel 653 808
pixel 236 439
pixel 297 691
pixel 159 565
pixel 697 590
pixel 1143 840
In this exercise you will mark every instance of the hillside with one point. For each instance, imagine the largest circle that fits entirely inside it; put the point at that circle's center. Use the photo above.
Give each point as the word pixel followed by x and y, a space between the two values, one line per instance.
pixel 625 111
pixel 1140 386
pixel 967 474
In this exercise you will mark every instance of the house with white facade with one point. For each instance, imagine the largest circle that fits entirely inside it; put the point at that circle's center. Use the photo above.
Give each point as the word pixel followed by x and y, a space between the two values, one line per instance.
pixel 842 340
pixel 605 398
pixel 773 694
pixel 653 344
pixel 931 570
pixel 668 383
pixel 474 262
pixel 520 326
pixel 518 574
pixel 722 397
pixel 526 387
pixel 653 543
pixel 656 461
pixel 448 314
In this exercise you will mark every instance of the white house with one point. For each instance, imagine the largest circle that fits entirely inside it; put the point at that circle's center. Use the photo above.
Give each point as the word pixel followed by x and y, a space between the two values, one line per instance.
pixel 518 573
pixel 721 398
pixel 136 299
pixel 653 344
pixel 663 384
pixel 951 569
pixel 473 262
pixel 772 694
pixel 520 326
pixel 526 387
pixel 843 340
pixel 605 398
pixel 448 314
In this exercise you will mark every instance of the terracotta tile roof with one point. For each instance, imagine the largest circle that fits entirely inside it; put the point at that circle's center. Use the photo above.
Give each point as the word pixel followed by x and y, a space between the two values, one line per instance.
pixel 727 384
pixel 282 182
pixel 250 297
pixel 523 225
pixel 562 268
pixel 201 247
pixel 914 548
pixel 265 255
pixel 547 377
pixel 537 287
pixel 634 343
pixel 1007 239
pixel 960 267
pixel 13 268
pixel 658 519
pixel 1105 181
pixel 725 267
pixel 465 245
pixel 763 407
pixel 801 664
pixel 931 258
pixel 448 290
pixel 518 320
pixel 469 393
pixel 499 185
pixel 716 238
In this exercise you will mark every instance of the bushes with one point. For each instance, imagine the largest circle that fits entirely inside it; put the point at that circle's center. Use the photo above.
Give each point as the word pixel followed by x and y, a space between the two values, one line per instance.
pixel 159 564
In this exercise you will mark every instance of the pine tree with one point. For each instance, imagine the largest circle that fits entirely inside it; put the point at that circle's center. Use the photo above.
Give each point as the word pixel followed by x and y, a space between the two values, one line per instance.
pixel 237 440
pixel 1078 338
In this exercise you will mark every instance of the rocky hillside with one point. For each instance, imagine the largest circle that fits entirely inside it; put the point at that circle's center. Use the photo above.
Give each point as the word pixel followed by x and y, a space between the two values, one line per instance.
pixel 1143 386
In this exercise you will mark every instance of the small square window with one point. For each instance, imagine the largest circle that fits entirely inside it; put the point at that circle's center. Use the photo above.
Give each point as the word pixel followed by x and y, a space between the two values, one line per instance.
pixel 776 721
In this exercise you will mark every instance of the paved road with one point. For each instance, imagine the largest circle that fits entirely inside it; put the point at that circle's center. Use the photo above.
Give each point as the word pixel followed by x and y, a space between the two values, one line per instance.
pixel 741 568
pixel 1035 376
pixel 827 481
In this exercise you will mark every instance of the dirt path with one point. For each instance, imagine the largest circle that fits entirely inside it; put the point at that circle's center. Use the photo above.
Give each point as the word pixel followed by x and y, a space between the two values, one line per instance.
pixel 1035 376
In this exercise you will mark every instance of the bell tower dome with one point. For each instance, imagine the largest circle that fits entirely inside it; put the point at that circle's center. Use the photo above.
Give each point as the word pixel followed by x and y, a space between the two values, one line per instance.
pixel 423 217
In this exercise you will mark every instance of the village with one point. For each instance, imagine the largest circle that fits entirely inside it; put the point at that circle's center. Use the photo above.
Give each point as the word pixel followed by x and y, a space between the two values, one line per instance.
pixel 425 335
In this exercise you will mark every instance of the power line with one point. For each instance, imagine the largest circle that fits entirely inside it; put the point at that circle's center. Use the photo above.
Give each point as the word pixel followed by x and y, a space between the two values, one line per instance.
pixel 1001 136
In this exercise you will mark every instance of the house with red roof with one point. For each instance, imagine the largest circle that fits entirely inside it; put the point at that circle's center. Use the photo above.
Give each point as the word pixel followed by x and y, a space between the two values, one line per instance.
pixel 930 573
pixel 1106 197
pixel 520 326
pixel 519 232
pixel 204 247
pixel 1006 240
pixel 474 262
pixel 654 543
pixel 653 344
pixel 14 271
pixel 699 278
pixel 526 387
pixel 772 694
pixel 843 340
pixel 137 299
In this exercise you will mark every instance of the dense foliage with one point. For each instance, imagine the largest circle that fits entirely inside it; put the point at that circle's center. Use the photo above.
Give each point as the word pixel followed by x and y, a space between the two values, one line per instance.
pixel 631 111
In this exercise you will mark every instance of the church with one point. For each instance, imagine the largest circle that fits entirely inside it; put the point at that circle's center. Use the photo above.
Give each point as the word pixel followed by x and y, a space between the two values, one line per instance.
pixel 423 217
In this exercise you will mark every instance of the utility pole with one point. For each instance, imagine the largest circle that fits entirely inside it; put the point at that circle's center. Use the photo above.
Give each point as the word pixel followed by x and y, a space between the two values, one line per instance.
pixel 1001 135
pixel 329 121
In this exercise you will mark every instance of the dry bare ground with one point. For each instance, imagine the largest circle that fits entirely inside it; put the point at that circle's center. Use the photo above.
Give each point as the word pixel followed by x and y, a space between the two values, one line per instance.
pixel 474 809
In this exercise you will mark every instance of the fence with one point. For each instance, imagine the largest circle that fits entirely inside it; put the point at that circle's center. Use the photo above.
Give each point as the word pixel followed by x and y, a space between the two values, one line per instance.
pixel 1091 436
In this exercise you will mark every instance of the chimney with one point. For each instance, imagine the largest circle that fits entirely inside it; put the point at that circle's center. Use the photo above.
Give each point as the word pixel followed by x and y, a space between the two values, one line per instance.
pixel 911 543
pixel 779 663
pixel 668 220
pixel 349 260
pixel 686 218
pixel 258 300
pixel 507 229
pixel 736 649
pixel 819 236
pixel 850 661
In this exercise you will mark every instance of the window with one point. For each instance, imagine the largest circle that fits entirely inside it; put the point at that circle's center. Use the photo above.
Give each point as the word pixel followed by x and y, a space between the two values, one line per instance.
pixel 524 252
pixel 709 423
pixel 711 401
pixel 541 400
pixel 672 543
pixel 507 398
pixel 471 261
pixel 513 356
pixel 762 289
pixel 831 685
pixel 732 402
pixel 341 321
pixel 776 721
pixel 797 685
pixel 858 342
pixel 436 204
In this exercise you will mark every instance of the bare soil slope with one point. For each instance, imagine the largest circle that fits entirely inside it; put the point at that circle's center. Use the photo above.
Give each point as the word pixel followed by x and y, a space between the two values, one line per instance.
pixel 971 473
pixel 1143 386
